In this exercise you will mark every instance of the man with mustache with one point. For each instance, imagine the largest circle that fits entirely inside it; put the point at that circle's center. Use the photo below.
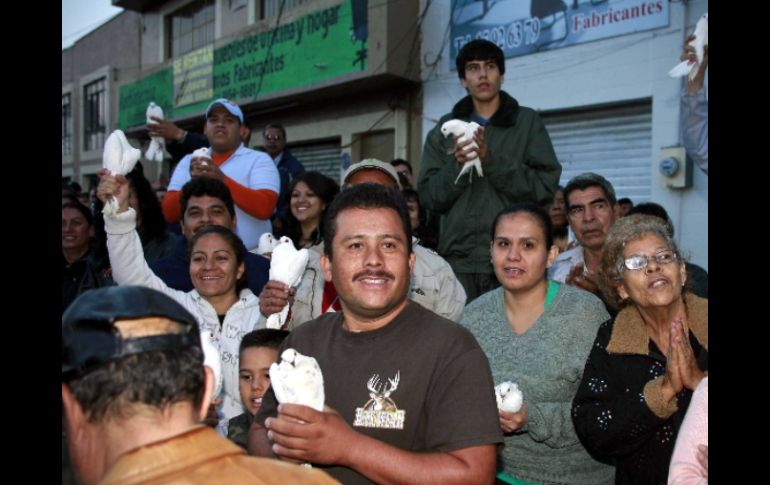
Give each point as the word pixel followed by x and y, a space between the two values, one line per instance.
pixel 409 394
pixel 591 210
pixel 433 283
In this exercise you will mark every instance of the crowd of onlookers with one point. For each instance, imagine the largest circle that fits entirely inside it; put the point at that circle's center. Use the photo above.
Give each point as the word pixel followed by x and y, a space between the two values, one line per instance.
pixel 421 293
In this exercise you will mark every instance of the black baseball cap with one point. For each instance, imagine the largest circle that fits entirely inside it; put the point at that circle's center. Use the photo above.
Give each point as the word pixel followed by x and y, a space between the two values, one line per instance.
pixel 90 337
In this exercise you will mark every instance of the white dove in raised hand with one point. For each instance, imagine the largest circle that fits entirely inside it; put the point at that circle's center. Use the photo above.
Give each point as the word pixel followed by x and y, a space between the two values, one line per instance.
pixel 297 379
pixel 287 266
pixel 701 39
pixel 119 157
pixel 465 131
pixel 157 143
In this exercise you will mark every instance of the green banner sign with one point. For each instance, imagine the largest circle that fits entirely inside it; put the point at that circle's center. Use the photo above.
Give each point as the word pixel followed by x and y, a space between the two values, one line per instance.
pixel 192 77
pixel 135 97
pixel 315 47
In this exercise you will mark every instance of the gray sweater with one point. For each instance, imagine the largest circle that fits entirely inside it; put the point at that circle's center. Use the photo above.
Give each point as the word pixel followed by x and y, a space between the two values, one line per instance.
pixel 547 363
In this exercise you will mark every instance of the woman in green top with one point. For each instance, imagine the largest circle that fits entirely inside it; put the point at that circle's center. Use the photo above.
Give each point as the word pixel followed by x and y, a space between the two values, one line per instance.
pixel 537 333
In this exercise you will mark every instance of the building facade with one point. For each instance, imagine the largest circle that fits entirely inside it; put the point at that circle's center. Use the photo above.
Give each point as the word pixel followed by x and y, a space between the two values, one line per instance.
pixel 92 70
pixel 342 76
pixel 597 71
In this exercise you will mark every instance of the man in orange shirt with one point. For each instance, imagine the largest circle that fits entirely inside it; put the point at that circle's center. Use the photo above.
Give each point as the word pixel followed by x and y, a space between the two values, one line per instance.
pixel 250 175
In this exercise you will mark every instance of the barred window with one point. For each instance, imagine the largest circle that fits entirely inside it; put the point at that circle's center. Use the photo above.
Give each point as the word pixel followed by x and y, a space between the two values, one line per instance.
pixel 95 114
pixel 190 27
pixel 271 8
pixel 66 124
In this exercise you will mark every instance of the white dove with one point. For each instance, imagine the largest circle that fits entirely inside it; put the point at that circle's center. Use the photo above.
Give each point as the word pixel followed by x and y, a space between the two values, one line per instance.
pixel 465 130
pixel 266 244
pixel 701 39
pixel 203 152
pixel 157 143
pixel 119 157
pixel 297 379
pixel 287 266
pixel 212 359
pixel 509 397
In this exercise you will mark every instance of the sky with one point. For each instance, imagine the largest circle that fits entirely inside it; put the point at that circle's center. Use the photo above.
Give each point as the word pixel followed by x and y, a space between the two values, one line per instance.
pixel 79 17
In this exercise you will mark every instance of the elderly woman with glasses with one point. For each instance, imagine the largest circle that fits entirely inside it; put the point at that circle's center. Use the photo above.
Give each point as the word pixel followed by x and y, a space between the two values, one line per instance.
pixel 645 362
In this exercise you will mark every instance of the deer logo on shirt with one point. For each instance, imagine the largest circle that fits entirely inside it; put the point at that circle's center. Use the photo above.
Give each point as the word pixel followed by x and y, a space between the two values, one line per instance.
pixel 380 411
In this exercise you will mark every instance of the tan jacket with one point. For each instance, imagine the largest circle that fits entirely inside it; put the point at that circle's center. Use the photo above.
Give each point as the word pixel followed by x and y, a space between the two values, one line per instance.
pixel 201 456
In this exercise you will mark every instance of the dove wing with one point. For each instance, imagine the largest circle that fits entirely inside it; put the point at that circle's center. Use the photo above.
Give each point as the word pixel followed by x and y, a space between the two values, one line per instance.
pixel 681 69
pixel 300 383
pixel 112 154
pixel 129 154
pixel 212 359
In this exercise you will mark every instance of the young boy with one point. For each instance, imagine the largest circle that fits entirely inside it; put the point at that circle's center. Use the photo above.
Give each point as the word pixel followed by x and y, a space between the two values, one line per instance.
pixel 257 351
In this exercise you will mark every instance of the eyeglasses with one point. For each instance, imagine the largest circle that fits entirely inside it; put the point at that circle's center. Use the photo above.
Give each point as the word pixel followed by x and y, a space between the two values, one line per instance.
pixel 640 261
pixel 272 137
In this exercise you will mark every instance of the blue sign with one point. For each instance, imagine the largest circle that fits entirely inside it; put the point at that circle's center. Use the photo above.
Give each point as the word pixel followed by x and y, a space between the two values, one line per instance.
pixel 522 27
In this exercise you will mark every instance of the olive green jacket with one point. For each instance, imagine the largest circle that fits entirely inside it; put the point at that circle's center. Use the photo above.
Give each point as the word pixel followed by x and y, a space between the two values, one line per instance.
pixel 523 167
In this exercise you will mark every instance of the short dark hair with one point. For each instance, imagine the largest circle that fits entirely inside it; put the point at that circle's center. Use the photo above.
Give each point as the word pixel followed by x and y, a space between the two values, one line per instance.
pixel 400 161
pixel 479 50
pixel 85 211
pixel 626 200
pixel 153 222
pixel 271 338
pixel 366 196
pixel 652 209
pixel 587 180
pixel 411 195
pixel 277 126
pixel 538 213
pixel 158 379
pixel 207 186
pixel 76 188
pixel 235 243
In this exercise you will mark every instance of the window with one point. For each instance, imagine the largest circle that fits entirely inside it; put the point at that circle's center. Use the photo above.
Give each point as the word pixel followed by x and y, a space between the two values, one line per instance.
pixel 94 114
pixel 237 4
pixel 271 8
pixel 66 124
pixel 191 27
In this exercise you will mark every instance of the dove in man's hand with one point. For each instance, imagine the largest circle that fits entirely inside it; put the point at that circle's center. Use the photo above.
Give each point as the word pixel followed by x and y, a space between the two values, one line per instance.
pixel 701 39
pixel 297 379
pixel 465 131
pixel 157 143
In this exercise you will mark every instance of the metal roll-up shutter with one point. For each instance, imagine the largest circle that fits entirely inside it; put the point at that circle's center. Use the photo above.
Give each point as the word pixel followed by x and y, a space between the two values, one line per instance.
pixel 615 142
pixel 320 157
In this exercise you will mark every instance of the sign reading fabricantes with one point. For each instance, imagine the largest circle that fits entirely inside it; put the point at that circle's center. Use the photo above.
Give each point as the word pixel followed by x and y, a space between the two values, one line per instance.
pixel 312 48
pixel 192 77
pixel 521 28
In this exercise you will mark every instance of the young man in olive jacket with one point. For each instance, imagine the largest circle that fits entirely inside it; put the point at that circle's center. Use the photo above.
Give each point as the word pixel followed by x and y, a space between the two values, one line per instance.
pixel 517 159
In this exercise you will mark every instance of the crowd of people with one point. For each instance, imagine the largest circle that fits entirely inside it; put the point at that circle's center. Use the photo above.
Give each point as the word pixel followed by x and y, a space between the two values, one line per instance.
pixel 581 299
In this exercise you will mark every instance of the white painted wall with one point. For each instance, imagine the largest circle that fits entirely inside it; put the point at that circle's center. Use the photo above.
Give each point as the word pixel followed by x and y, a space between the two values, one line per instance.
pixel 612 70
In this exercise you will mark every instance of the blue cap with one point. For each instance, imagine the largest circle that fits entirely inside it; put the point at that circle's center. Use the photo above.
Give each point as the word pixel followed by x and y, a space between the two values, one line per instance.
pixel 228 105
